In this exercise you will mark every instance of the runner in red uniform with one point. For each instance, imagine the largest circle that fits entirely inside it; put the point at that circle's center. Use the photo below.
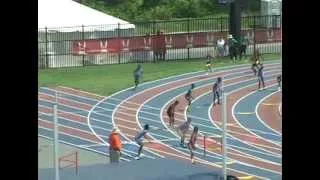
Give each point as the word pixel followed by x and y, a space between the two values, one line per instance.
pixel 170 112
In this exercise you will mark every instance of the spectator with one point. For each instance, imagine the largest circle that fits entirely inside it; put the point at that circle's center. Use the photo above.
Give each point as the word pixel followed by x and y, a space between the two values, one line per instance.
pixel 162 45
pixel 233 46
pixel 115 146
pixel 220 47
pixel 156 46
pixel 243 46
pixel 147 48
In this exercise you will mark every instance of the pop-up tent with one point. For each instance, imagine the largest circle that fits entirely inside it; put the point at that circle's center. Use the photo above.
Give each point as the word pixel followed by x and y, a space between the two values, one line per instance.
pixel 55 14
pixel 60 22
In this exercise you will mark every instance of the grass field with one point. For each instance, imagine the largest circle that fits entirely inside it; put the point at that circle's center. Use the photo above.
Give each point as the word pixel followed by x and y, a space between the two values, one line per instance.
pixel 108 79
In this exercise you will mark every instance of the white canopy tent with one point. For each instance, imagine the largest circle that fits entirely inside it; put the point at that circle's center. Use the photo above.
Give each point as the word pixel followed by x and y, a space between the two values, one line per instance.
pixel 55 14
pixel 61 22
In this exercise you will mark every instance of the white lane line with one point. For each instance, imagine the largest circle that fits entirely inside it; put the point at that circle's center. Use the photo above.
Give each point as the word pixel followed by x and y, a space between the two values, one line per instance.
pixel 63 98
pixel 159 122
pixel 61 93
pixel 84 92
pixel 280 109
pixel 235 119
pixel 258 116
pixel 233 137
pixel 163 107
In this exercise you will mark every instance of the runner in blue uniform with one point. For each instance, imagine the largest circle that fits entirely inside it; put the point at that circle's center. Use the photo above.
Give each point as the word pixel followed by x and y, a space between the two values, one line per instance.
pixel 182 130
pixel 189 97
pixel 279 79
pixel 260 76
pixel 216 90
pixel 138 72
pixel 139 139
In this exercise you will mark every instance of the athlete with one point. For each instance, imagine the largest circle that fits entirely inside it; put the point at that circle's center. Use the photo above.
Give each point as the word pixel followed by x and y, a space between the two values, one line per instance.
pixel 192 143
pixel 138 72
pixel 216 90
pixel 170 112
pixel 189 97
pixel 209 64
pixel 139 140
pixel 279 79
pixel 182 130
pixel 260 76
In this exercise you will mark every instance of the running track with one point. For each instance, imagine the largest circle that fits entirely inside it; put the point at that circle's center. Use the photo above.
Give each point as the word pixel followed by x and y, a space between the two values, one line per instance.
pixel 254 140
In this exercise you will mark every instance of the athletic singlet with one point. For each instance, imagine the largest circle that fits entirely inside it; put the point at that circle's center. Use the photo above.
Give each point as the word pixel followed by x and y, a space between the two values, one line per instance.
pixel 260 72
pixel 141 135
pixel 184 127
pixel 170 109
pixel 215 88
pixel 189 93
pixel 279 78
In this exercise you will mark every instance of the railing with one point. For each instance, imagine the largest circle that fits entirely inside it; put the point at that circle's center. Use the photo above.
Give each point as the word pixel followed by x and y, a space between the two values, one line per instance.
pixel 182 39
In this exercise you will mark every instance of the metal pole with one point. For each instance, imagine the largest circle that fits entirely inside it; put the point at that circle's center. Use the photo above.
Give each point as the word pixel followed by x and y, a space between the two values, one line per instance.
pixel 221 27
pixel 119 46
pixel 254 33
pixel 153 36
pixel 224 131
pixel 204 145
pixel 46 39
pixel 188 38
pixel 83 63
pixel 77 162
pixel 56 148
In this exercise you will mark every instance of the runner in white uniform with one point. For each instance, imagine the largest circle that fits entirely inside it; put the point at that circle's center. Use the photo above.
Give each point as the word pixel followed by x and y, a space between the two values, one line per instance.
pixel 139 139
pixel 182 130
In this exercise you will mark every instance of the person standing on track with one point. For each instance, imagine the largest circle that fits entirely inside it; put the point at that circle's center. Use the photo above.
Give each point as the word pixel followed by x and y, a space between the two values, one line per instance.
pixel 216 90
pixel 189 97
pixel 192 143
pixel 255 61
pixel 139 139
pixel 209 64
pixel 279 79
pixel 138 72
pixel 115 146
pixel 170 112
pixel 260 76
pixel 182 130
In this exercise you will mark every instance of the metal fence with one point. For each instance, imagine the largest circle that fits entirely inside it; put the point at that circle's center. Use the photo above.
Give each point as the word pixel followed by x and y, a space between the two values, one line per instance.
pixel 182 39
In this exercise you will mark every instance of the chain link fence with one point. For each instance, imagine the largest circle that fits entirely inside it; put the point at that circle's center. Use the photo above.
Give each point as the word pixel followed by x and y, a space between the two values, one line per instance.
pixel 152 41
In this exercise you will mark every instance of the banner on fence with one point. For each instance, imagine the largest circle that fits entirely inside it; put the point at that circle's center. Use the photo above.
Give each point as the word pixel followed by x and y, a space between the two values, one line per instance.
pixel 168 41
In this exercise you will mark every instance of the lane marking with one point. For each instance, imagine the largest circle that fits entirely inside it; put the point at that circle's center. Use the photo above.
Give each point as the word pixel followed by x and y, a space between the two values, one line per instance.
pixel 257 111
pixel 233 137
pixel 235 118
pixel 245 113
